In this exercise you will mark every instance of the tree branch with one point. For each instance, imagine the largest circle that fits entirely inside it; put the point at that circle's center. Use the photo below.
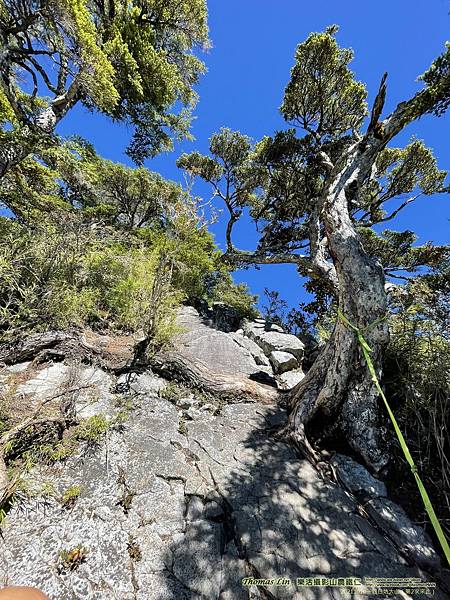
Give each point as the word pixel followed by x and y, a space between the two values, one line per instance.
pixel 393 214
pixel 421 103
pixel 261 258
pixel 378 104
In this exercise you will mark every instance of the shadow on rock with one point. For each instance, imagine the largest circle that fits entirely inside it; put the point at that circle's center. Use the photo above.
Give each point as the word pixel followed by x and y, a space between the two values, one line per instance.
pixel 267 514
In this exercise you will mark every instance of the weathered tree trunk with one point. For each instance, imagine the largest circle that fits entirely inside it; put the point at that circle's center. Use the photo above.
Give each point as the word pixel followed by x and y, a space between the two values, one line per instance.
pixel 27 348
pixel 179 367
pixel 339 383
pixel 16 146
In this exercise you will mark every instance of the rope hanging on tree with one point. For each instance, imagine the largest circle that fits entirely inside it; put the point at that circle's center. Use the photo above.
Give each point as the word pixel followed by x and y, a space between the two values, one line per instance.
pixel 425 498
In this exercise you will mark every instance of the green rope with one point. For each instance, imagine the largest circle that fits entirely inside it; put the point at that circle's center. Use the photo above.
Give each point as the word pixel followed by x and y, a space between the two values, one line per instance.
pixel 426 500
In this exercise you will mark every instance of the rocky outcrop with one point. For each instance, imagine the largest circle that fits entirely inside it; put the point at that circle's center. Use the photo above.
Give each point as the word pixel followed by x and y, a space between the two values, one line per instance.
pixel 209 359
pixel 177 508
pixel 258 355
pixel 215 349
pixel 282 361
pixel 262 351
pixel 271 338
pixel 287 381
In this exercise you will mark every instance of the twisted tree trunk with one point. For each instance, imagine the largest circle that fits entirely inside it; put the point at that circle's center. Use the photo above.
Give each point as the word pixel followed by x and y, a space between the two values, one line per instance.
pixel 339 383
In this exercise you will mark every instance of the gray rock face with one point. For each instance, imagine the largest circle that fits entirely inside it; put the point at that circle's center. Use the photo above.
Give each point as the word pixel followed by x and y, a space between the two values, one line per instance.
pixel 213 348
pixel 282 361
pixel 174 510
pixel 143 383
pixel 288 381
pixel 357 478
pixel 258 355
pixel 273 340
pixel 93 386
pixel 411 538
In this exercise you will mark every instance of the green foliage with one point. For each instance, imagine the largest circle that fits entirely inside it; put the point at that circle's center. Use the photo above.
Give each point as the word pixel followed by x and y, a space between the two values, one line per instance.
pixel 396 251
pixel 120 249
pixel 437 80
pixel 417 374
pixel 297 321
pixel 29 189
pixel 111 192
pixel 132 61
pixel 410 170
pixel 322 96
pixel 71 276
pixel 237 295
pixel 275 308
pixel 230 153
pixel 406 169
pixel 96 73
pixel 173 392
pixel 56 452
pixel 71 495
pixel 92 429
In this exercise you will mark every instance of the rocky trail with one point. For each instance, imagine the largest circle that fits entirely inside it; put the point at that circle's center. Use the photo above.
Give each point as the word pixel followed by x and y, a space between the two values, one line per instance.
pixel 191 493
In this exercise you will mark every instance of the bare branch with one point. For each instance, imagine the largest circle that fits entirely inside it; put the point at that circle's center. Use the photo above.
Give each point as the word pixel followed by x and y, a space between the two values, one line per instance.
pixel 378 104
pixel 43 74
pixel 33 418
pixel 260 258
pixel 393 214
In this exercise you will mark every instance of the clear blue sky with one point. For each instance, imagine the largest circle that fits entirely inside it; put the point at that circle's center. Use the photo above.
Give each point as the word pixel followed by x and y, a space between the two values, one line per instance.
pixel 248 67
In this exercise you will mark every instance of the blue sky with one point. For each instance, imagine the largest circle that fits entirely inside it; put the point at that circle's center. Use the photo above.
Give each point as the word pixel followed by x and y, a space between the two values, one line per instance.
pixel 248 67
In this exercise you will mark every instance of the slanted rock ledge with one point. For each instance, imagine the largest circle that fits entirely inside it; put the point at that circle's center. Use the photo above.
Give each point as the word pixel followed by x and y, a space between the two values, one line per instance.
pixel 189 497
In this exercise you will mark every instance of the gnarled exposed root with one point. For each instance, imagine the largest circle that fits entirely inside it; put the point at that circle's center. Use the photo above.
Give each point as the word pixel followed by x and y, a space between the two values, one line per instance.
pixel 176 365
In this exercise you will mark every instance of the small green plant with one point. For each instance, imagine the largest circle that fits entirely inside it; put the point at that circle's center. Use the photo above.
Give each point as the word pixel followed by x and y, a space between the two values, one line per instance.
pixel 71 495
pixel 173 392
pixel 50 453
pixel 92 429
pixel 182 426
pixel 47 489
pixel 134 550
pixel 125 406
pixel 72 559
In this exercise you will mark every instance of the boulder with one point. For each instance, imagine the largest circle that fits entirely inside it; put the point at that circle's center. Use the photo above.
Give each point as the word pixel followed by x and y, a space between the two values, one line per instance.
pixel 270 339
pixel 282 361
pixel 357 478
pixel 215 349
pixel 92 387
pixel 244 342
pixel 288 380
pixel 140 383
pixel 210 360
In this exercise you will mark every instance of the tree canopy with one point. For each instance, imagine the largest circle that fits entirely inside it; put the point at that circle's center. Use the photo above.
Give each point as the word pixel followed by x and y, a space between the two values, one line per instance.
pixel 282 180
pixel 132 61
